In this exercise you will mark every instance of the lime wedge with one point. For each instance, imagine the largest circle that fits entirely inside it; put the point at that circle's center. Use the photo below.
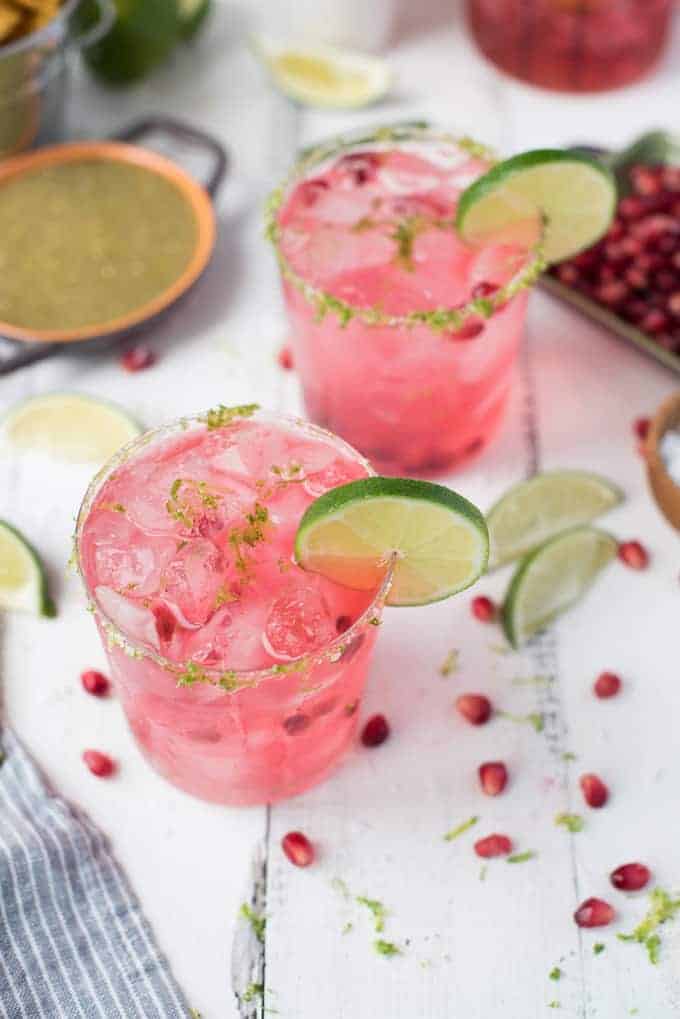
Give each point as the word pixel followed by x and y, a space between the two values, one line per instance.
pixel 553 578
pixel 324 76
pixel 437 539
pixel 573 195
pixel 69 426
pixel 23 584
pixel 535 510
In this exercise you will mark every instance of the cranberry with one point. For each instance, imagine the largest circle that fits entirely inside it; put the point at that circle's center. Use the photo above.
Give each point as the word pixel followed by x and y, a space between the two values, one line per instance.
pixel 641 427
pixel 298 848
pixel 95 682
pixel 630 877
pixel 474 707
pixel 484 609
pixel 343 623
pixel 634 555
pixel 285 359
pixel 99 764
pixel 484 289
pixel 606 685
pixel 595 792
pixel 594 913
pixel 493 845
pixel 493 776
pixel 375 731
pixel 136 359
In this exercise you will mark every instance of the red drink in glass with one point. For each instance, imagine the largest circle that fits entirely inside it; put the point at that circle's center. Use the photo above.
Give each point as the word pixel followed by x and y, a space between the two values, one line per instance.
pixel 571 45
pixel 239 673
pixel 405 338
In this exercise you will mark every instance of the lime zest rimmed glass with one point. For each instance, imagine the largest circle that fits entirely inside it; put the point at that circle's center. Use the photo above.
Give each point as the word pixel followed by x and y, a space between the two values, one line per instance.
pixel 439 320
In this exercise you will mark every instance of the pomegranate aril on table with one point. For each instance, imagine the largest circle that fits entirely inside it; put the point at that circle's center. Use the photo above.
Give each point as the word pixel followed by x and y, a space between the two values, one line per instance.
pixel 630 877
pixel 493 845
pixel 298 848
pixel 474 707
pixel 493 776
pixel 94 682
pixel 594 913
pixel 595 792
pixel 375 731
pixel 99 764
pixel 484 609
pixel 606 685
pixel 634 555
pixel 137 359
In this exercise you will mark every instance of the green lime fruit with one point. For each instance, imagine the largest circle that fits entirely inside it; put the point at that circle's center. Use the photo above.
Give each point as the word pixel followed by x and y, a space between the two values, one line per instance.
pixel 142 37
pixel 23 583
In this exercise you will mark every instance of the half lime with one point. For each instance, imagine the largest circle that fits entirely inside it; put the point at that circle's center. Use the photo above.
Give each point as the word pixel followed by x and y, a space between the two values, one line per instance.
pixel 437 540
pixel 23 583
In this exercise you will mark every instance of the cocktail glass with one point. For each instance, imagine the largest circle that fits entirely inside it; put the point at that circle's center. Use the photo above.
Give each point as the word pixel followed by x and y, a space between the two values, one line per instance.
pixel 572 45
pixel 239 673
pixel 404 337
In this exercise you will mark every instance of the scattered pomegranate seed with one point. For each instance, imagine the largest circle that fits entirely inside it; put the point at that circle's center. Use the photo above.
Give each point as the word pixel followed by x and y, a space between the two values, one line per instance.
pixel 493 845
pixel 362 166
pixel 641 427
pixel 606 685
pixel 136 359
pixel 484 289
pixel 484 609
pixel 165 622
pixel 343 623
pixel 634 555
pixel 99 764
pixel 493 776
pixel 285 359
pixel 469 330
pixel 674 304
pixel 474 707
pixel 375 731
pixel 95 682
pixel 630 877
pixel 298 848
pixel 594 913
pixel 595 792
pixel 310 190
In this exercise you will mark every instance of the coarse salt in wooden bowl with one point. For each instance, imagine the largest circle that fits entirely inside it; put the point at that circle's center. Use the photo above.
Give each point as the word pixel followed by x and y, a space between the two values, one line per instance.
pixel 665 490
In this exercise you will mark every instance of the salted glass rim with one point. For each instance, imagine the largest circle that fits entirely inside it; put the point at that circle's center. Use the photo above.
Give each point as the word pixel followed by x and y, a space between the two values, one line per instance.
pixel 227 679
pixel 447 318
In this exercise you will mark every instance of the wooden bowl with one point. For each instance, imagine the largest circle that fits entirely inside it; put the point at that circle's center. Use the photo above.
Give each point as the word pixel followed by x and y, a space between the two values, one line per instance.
pixel 665 491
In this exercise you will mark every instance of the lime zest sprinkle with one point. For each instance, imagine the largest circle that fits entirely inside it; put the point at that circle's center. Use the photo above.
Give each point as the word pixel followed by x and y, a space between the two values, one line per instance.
pixel 252 991
pixel 221 416
pixel 534 718
pixel 257 921
pixel 250 535
pixel 501 649
pixel 529 854
pixel 193 673
pixel 555 973
pixel 482 872
pixel 598 948
pixel 532 680
pixel 449 667
pixel 224 596
pixel 554 1004
pixel 374 621
pixel 347 927
pixel 340 887
pixel 572 822
pixel 387 948
pixel 463 827
pixel 291 474
pixel 661 908
pixel 377 909
pixel 195 1014
pixel 568 756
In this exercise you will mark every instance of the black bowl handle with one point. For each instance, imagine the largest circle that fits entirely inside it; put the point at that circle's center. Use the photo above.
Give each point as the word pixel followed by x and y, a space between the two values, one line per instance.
pixel 182 132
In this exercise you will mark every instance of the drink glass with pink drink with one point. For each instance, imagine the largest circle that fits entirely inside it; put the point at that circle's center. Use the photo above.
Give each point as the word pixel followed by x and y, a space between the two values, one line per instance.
pixel 405 337
pixel 240 674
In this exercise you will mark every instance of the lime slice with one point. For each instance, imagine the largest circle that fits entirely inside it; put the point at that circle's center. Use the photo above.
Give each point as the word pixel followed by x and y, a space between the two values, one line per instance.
pixel 23 584
pixel 535 510
pixel 553 578
pixel 573 195
pixel 324 76
pixel 69 426
pixel 438 540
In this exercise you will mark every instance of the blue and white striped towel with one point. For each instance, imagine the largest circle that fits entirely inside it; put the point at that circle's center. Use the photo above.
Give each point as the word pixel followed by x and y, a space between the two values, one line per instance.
pixel 73 941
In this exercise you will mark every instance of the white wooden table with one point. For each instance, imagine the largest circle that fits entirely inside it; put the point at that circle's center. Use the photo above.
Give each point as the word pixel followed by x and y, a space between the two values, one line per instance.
pixel 472 949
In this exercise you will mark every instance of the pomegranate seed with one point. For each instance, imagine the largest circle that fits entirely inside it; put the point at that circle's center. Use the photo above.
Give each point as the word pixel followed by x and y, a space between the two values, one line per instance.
pixel 606 685
pixel 469 330
pixel 654 322
pixel 665 281
pixel 484 609
pixel 594 913
pixel 673 304
pixel 637 278
pixel 645 180
pixel 484 289
pixel 298 848
pixel 634 310
pixel 165 623
pixel 375 731
pixel 310 190
pixel 634 555
pixel 641 427
pixel 136 359
pixel 493 845
pixel 494 777
pixel 631 207
pixel 285 359
pixel 630 877
pixel 99 764
pixel 296 723
pixel 612 293
pixel 595 792
pixel 343 623
pixel 95 682
pixel 362 166
pixel 474 707
pixel 567 274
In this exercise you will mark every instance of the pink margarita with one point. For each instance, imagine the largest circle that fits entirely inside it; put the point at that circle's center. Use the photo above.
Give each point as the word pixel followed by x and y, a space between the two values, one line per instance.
pixel 405 338
pixel 239 673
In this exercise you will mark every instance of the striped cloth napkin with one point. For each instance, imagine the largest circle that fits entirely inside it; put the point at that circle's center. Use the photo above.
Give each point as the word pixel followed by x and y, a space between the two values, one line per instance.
pixel 74 943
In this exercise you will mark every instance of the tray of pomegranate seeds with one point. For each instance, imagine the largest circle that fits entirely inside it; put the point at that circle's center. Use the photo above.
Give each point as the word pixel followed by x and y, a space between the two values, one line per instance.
pixel 630 280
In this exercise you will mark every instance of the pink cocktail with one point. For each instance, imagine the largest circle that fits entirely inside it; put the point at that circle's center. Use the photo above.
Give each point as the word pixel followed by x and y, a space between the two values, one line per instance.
pixel 239 673
pixel 404 337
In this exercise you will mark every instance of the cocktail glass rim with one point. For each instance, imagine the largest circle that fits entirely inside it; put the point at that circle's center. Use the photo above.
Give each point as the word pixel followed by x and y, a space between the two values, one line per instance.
pixel 189 672
pixel 438 319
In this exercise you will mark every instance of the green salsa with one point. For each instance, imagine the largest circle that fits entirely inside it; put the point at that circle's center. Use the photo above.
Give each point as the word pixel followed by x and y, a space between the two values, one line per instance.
pixel 86 242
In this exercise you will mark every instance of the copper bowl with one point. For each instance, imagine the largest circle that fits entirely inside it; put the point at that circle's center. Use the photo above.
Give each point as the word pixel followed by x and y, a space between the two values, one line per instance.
pixel 666 492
